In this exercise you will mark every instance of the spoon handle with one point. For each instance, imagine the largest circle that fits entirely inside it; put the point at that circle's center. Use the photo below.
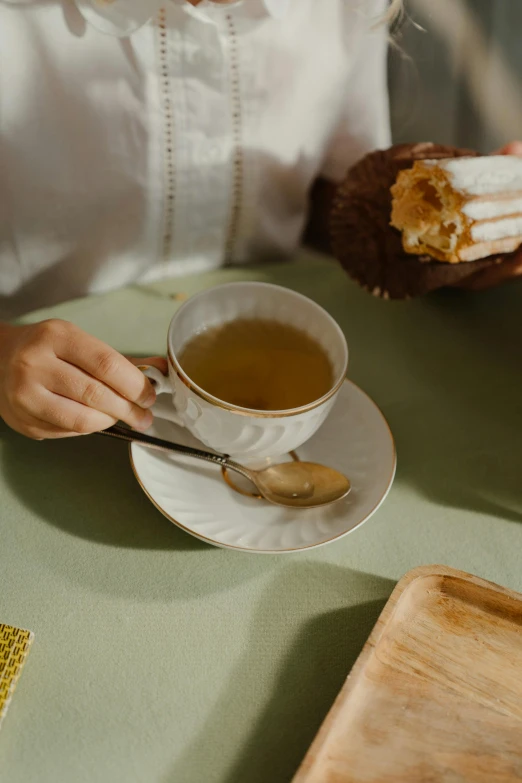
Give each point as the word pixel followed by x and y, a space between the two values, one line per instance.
pixel 132 436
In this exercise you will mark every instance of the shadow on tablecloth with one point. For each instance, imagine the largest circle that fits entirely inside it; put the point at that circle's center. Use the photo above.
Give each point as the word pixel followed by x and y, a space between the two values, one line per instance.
pixel 86 487
pixel 116 542
pixel 272 711
pixel 460 440
pixel 447 372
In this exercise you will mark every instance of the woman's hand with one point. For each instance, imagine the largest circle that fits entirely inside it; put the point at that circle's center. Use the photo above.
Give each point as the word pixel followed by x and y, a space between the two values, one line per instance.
pixel 57 381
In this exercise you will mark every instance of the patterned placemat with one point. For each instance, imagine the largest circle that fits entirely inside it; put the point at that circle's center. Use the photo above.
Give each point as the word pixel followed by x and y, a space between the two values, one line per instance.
pixel 14 648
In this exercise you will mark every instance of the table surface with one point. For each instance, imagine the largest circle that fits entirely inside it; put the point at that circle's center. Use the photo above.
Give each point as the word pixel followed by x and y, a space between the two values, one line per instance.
pixel 159 659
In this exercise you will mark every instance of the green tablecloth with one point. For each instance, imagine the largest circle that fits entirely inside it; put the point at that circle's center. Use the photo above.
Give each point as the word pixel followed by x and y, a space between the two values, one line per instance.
pixel 158 659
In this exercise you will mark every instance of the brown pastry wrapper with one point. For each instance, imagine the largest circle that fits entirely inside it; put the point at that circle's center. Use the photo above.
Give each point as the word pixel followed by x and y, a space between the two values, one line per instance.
pixel 371 251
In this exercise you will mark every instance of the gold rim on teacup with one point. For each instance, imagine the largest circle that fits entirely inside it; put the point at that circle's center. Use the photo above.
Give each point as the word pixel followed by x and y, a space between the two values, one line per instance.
pixel 252 412
pixel 227 406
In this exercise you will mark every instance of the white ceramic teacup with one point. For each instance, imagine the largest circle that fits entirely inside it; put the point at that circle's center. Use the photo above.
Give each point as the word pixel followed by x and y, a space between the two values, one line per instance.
pixel 246 434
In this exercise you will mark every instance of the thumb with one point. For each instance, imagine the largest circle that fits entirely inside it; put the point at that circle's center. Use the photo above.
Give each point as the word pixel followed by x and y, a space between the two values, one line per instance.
pixel 513 148
pixel 154 361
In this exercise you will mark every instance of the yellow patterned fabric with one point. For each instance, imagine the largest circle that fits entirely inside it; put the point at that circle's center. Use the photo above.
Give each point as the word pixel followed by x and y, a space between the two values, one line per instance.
pixel 14 647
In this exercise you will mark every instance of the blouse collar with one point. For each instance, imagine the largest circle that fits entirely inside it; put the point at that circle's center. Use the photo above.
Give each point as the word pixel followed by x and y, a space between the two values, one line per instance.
pixel 121 18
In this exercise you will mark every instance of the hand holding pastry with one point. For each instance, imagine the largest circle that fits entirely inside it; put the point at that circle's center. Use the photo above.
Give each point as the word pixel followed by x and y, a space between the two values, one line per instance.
pixel 388 265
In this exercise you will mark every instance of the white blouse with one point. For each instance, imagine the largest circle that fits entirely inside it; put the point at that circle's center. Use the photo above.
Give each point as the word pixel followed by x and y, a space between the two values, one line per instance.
pixel 139 140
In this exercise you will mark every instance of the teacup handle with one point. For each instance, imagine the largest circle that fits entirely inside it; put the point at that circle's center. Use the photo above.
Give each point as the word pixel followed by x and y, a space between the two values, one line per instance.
pixel 163 409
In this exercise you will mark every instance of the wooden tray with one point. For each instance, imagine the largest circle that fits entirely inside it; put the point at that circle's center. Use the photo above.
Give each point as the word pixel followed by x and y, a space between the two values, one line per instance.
pixel 435 695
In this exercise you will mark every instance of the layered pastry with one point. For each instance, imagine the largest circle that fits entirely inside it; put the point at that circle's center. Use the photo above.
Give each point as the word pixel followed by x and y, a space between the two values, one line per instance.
pixel 372 251
pixel 461 209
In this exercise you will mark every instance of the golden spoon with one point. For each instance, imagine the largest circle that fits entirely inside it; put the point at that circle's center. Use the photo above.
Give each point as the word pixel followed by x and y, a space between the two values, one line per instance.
pixel 292 484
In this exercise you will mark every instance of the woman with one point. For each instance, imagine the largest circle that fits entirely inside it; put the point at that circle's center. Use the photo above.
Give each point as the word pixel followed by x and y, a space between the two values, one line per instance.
pixel 142 140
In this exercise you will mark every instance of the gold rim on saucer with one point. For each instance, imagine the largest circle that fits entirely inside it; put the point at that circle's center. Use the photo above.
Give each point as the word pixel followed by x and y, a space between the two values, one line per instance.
pixel 234 547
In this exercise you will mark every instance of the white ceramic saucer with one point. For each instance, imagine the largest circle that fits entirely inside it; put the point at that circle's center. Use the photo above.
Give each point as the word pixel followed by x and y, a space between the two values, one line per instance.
pixel 355 439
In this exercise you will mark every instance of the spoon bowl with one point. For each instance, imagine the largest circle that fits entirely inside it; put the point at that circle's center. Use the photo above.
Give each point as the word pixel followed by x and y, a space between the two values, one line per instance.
pixel 299 484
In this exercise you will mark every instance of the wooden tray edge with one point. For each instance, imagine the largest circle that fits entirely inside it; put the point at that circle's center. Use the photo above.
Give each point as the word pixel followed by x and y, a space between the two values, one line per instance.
pixel 402 585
